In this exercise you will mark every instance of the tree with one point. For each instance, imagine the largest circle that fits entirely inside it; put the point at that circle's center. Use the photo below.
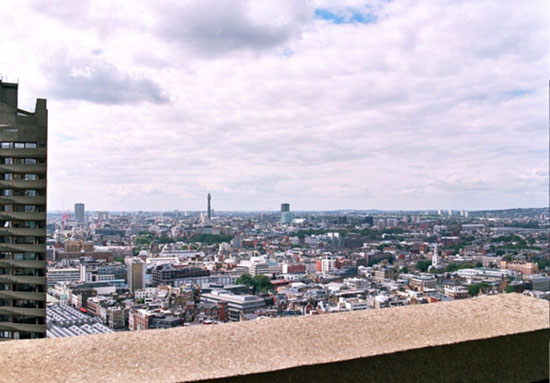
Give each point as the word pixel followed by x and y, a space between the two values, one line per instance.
pixel 479 264
pixel 453 267
pixel 245 279
pixel 423 265
pixel 473 290
pixel 405 269
pixel 509 289
pixel 543 263
pixel 262 283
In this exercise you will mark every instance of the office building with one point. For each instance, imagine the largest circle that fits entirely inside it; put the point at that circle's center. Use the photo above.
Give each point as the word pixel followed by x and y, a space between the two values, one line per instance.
pixel 169 274
pixel 79 213
pixel 286 215
pixel 135 269
pixel 23 142
pixel 236 304
pixel 63 275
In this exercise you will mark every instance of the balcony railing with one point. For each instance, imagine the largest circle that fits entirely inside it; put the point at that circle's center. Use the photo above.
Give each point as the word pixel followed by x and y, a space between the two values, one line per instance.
pixel 501 338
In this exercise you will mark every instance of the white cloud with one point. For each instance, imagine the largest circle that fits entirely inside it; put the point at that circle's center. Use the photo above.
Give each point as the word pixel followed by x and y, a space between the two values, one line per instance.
pixel 434 105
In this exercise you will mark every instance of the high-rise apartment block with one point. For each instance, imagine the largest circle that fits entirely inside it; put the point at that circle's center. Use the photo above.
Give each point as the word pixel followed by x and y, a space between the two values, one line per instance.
pixel 79 213
pixel 23 154
pixel 135 268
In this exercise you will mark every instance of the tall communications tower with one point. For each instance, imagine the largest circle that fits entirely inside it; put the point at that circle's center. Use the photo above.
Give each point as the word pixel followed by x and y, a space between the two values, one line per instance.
pixel 209 211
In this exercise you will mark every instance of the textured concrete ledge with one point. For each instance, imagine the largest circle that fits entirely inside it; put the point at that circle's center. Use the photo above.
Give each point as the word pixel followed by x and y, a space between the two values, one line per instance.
pixel 497 338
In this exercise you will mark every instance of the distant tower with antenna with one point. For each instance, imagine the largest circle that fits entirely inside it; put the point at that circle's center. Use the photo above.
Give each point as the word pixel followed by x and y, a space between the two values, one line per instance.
pixel 209 211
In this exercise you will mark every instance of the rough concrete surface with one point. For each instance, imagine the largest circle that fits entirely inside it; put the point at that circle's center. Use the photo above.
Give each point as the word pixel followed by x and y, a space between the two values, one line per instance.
pixel 255 347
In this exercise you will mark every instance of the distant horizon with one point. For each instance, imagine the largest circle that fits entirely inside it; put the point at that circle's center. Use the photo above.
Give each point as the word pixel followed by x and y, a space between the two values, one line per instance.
pixel 443 211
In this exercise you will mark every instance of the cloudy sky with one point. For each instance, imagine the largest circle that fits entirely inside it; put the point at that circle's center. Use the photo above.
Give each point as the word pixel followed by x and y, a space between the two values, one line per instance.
pixel 367 104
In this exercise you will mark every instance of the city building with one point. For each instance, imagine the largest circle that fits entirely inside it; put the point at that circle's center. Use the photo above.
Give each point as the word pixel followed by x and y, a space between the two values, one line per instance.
pixel 63 275
pixel 23 148
pixel 79 213
pixel 286 215
pixel 541 283
pixel 236 304
pixel 135 273
pixel 522 267
pixel 435 257
pixel 423 281
pixel 169 274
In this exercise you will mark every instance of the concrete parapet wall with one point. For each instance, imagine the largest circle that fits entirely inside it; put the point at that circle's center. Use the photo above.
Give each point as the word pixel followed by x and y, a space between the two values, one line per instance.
pixel 492 338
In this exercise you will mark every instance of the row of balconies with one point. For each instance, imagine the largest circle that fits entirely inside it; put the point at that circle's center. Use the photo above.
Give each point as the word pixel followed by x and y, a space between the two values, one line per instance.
pixel 22 216
pixel 23 200
pixel 22 232
pixel 22 168
pixel 22 153
pixel 23 264
pixel 5 310
pixel 22 248
pixel 20 184
pixel 6 294
pixel 5 278
pixel 10 326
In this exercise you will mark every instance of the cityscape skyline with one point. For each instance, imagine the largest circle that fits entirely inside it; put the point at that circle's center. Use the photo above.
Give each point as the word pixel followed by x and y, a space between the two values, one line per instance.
pixel 392 105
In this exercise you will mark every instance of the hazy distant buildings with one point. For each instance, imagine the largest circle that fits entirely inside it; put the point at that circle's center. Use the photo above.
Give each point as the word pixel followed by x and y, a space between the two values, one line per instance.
pixel 23 148
pixel 79 213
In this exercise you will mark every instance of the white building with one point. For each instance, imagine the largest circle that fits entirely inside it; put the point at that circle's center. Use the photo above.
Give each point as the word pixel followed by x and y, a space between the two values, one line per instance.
pixel 328 265
pixel 63 275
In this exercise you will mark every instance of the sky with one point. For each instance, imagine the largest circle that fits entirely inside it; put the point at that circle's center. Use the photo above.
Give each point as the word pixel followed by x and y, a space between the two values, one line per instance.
pixel 393 105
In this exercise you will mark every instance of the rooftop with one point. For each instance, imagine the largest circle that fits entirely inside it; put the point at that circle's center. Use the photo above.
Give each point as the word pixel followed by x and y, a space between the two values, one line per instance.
pixel 487 326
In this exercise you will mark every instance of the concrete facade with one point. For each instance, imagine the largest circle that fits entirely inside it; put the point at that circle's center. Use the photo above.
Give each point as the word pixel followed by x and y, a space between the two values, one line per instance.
pixel 23 164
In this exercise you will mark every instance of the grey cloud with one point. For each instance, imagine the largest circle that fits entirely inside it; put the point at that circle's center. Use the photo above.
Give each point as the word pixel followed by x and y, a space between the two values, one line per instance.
pixel 216 28
pixel 103 84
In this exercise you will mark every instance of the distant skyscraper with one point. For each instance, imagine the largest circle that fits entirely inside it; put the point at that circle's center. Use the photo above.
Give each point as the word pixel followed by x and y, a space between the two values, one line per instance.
pixel 23 155
pixel 435 258
pixel 466 214
pixel 286 215
pixel 79 213
pixel 135 269
pixel 450 212
pixel 209 211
